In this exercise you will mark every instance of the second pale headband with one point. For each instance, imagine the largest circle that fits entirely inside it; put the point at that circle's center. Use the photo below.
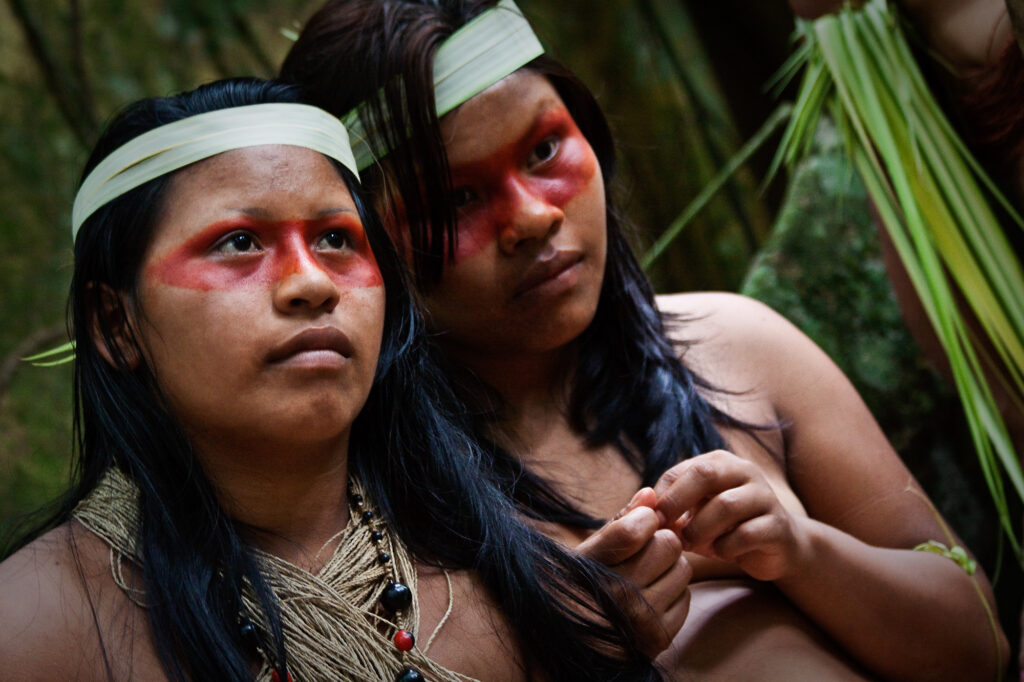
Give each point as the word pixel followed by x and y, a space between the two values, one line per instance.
pixel 173 146
pixel 473 58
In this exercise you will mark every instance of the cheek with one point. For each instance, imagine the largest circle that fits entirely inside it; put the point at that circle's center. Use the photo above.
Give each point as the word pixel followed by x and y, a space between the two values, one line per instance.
pixel 195 344
pixel 180 322
pixel 362 317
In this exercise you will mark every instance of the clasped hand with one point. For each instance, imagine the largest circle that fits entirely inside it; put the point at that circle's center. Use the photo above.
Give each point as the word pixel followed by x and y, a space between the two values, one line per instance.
pixel 717 505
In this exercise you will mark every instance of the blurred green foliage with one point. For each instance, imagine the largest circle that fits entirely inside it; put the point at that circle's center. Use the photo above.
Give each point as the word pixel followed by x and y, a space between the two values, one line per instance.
pixel 65 67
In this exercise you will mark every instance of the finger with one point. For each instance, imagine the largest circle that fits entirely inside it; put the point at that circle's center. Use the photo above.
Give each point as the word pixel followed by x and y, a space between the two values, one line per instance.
pixel 675 615
pixel 685 485
pixel 667 588
pixel 620 539
pixel 644 497
pixel 669 601
pixel 653 560
pixel 721 515
pixel 766 536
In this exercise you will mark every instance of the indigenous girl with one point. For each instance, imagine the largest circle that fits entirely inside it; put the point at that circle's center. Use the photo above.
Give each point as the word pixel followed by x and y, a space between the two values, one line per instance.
pixel 264 447
pixel 709 409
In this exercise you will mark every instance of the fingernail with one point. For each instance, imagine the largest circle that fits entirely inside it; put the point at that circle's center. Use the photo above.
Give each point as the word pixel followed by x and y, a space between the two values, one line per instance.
pixel 684 518
pixel 629 507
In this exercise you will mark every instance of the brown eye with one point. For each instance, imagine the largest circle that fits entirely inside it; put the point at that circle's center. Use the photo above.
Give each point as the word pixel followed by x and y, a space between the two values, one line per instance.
pixel 335 239
pixel 544 151
pixel 239 242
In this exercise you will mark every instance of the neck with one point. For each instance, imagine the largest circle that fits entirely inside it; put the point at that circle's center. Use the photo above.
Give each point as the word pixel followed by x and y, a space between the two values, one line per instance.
pixel 534 387
pixel 291 495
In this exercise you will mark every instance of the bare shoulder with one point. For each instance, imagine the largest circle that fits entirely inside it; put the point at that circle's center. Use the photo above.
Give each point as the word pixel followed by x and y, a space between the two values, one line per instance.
pixel 732 339
pixel 44 605
pixel 835 457
pixel 56 596
pixel 718 316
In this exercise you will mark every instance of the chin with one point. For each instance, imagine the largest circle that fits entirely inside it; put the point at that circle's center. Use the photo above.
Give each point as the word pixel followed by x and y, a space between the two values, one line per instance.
pixel 318 420
pixel 555 332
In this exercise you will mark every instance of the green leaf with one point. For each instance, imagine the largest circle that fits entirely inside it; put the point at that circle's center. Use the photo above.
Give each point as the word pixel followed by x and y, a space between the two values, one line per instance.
pixel 937 204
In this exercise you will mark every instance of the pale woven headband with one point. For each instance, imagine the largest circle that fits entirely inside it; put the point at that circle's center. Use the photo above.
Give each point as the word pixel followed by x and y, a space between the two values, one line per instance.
pixel 475 57
pixel 173 146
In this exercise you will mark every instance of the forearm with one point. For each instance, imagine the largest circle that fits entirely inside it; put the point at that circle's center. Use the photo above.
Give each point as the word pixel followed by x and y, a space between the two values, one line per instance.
pixel 968 34
pixel 905 614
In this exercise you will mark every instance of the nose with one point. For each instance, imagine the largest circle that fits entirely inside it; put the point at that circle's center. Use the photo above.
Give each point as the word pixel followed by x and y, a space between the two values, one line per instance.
pixel 531 217
pixel 304 286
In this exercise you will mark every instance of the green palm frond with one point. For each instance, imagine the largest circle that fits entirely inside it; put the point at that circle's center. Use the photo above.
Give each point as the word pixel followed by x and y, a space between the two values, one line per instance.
pixel 935 201
pixel 60 355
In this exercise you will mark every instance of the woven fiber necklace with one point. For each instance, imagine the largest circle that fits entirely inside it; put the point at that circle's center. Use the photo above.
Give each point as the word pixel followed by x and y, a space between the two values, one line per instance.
pixel 353 619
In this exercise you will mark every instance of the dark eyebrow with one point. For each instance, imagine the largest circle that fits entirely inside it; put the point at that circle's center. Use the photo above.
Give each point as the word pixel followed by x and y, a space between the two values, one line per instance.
pixel 335 211
pixel 264 214
pixel 545 105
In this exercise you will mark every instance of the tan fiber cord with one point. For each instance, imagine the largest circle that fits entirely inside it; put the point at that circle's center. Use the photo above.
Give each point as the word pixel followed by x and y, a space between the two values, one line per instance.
pixel 334 628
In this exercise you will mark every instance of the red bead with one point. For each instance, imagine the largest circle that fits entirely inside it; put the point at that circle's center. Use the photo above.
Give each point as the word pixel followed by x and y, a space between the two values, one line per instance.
pixel 275 677
pixel 404 640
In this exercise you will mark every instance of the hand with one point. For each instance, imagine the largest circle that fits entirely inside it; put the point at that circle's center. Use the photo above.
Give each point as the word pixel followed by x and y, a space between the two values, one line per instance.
pixel 635 546
pixel 722 507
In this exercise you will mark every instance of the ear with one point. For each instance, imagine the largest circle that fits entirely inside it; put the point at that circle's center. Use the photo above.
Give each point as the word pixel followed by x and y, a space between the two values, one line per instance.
pixel 119 346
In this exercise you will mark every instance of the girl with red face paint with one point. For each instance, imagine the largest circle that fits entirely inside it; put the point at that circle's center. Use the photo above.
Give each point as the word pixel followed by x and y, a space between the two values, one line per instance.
pixel 778 491
pixel 272 480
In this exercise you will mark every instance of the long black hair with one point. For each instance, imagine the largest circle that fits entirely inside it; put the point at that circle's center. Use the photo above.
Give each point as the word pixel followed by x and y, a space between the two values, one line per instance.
pixel 629 388
pixel 409 447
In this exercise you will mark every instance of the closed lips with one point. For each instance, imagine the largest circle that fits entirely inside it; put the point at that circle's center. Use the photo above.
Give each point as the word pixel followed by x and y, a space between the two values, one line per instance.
pixel 324 338
pixel 547 269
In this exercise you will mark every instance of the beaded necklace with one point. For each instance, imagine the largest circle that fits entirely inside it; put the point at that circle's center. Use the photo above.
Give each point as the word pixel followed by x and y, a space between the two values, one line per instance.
pixel 351 620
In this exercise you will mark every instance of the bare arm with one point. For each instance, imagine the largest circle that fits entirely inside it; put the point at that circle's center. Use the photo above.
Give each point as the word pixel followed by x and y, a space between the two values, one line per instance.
pixel 968 34
pixel 848 564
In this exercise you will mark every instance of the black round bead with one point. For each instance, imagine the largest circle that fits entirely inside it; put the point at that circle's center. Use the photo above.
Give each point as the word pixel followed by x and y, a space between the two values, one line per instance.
pixel 409 675
pixel 249 635
pixel 358 499
pixel 367 516
pixel 376 536
pixel 383 557
pixel 396 597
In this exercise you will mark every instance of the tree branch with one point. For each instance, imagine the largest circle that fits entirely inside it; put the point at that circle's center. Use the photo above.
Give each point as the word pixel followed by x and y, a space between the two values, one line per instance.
pixel 249 39
pixel 86 100
pixel 82 129
pixel 33 343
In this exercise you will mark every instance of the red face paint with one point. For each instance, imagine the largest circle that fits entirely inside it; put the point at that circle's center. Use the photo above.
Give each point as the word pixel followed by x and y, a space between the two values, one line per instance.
pixel 280 249
pixel 501 182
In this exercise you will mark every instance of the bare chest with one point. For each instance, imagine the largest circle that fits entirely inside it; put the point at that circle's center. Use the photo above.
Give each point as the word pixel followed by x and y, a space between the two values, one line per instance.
pixel 463 630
